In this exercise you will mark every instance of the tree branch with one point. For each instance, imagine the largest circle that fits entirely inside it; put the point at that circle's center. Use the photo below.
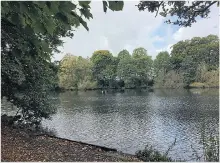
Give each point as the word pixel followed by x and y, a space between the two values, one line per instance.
pixel 159 8
pixel 202 10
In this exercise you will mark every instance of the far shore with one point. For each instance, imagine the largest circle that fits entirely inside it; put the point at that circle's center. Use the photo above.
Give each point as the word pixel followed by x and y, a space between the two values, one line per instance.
pixel 140 88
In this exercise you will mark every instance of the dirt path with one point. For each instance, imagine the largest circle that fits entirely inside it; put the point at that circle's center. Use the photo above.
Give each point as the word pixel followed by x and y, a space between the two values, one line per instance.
pixel 19 146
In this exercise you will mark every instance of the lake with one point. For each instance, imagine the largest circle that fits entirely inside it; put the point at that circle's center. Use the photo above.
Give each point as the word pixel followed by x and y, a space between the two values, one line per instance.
pixel 130 120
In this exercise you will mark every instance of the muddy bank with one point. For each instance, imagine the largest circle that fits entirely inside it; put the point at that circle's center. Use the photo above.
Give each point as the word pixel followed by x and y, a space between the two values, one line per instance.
pixel 20 145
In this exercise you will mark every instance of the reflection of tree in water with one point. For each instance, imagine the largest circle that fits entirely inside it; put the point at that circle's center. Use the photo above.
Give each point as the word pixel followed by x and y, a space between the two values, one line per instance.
pixel 205 91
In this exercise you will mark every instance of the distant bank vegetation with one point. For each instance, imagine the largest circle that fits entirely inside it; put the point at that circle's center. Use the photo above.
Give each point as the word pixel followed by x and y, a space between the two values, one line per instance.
pixel 191 63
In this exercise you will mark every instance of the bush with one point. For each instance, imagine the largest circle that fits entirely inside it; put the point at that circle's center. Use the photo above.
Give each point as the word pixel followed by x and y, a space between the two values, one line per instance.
pixel 210 148
pixel 171 79
pixel 150 154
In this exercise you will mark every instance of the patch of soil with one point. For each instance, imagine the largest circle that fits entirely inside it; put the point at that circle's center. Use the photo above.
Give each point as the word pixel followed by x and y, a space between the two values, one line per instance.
pixel 19 145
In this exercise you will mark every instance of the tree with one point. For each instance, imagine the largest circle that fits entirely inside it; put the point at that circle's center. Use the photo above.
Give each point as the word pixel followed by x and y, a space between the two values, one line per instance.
pixel 123 54
pixel 178 53
pixel 67 75
pixel 138 52
pixel 126 72
pixel 75 72
pixel 30 32
pixel 136 71
pixel 102 60
pixel 162 62
pixel 190 59
pixel 185 12
pixel 143 65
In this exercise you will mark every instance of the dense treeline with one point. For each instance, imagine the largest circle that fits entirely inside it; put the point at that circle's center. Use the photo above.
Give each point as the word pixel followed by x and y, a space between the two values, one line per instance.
pixel 192 62
pixel 103 70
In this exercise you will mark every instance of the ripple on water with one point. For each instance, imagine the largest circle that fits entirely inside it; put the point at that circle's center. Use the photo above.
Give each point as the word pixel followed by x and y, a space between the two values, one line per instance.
pixel 128 121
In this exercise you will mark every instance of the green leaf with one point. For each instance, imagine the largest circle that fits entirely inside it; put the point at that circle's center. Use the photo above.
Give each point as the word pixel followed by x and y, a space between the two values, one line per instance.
pixel 83 23
pixel 66 6
pixel 105 5
pixel 84 4
pixel 40 4
pixel 86 13
pixel 15 19
pixel 39 28
pixel 50 26
pixel 23 8
pixel 80 20
pixel 116 5
pixel 62 17
pixel 54 7
pixel 45 47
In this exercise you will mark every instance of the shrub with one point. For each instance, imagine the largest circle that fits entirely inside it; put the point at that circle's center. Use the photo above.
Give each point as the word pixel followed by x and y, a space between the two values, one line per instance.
pixel 150 154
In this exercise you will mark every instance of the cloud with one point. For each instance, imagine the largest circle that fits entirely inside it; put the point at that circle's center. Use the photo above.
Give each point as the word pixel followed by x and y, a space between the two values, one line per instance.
pixel 158 39
pixel 103 44
pixel 168 49
pixel 115 31
pixel 129 29
pixel 202 28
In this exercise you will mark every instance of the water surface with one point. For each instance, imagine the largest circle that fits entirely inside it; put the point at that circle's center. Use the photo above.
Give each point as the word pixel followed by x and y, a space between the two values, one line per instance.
pixel 132 119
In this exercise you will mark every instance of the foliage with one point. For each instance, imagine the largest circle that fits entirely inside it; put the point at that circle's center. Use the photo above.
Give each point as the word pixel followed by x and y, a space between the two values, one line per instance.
pixel 30 32
pixel 113 5
pixel 103 70
pixel 127 72
pixel 107 71
pixel 162 62
pixel 27 85
pixel 193 60
pixel 143 66
pixel 184 12
pixel 211 148
pixel 75 72
pixel 139 52
pixel 135 71
pixel 149 154
pixel 171 79
pixel 123 54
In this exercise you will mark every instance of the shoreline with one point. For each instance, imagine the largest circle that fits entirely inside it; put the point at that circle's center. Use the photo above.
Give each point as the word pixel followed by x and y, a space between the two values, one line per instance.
pixel 20 145
pixel 151 88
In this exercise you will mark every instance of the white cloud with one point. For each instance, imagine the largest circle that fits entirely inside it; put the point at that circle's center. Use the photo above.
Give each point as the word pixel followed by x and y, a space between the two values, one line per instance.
pixel 129 29
pixel 168 49
pixel 115 31
pixel 103 43
pixel 158 39
pixel 201 28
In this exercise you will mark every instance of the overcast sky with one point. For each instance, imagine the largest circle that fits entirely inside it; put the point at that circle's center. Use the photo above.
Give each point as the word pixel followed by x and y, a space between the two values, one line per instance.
pixel 129 29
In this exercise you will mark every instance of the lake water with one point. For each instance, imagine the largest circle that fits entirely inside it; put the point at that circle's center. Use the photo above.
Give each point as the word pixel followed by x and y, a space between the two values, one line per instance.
pixel 130 120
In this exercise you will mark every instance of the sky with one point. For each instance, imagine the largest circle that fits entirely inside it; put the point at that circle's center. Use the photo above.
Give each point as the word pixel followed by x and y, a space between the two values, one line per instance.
pixel 130 29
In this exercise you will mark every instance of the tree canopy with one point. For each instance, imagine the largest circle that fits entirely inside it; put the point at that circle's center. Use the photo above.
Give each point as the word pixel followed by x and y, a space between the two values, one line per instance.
pixel 185 12
pixel 30 32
